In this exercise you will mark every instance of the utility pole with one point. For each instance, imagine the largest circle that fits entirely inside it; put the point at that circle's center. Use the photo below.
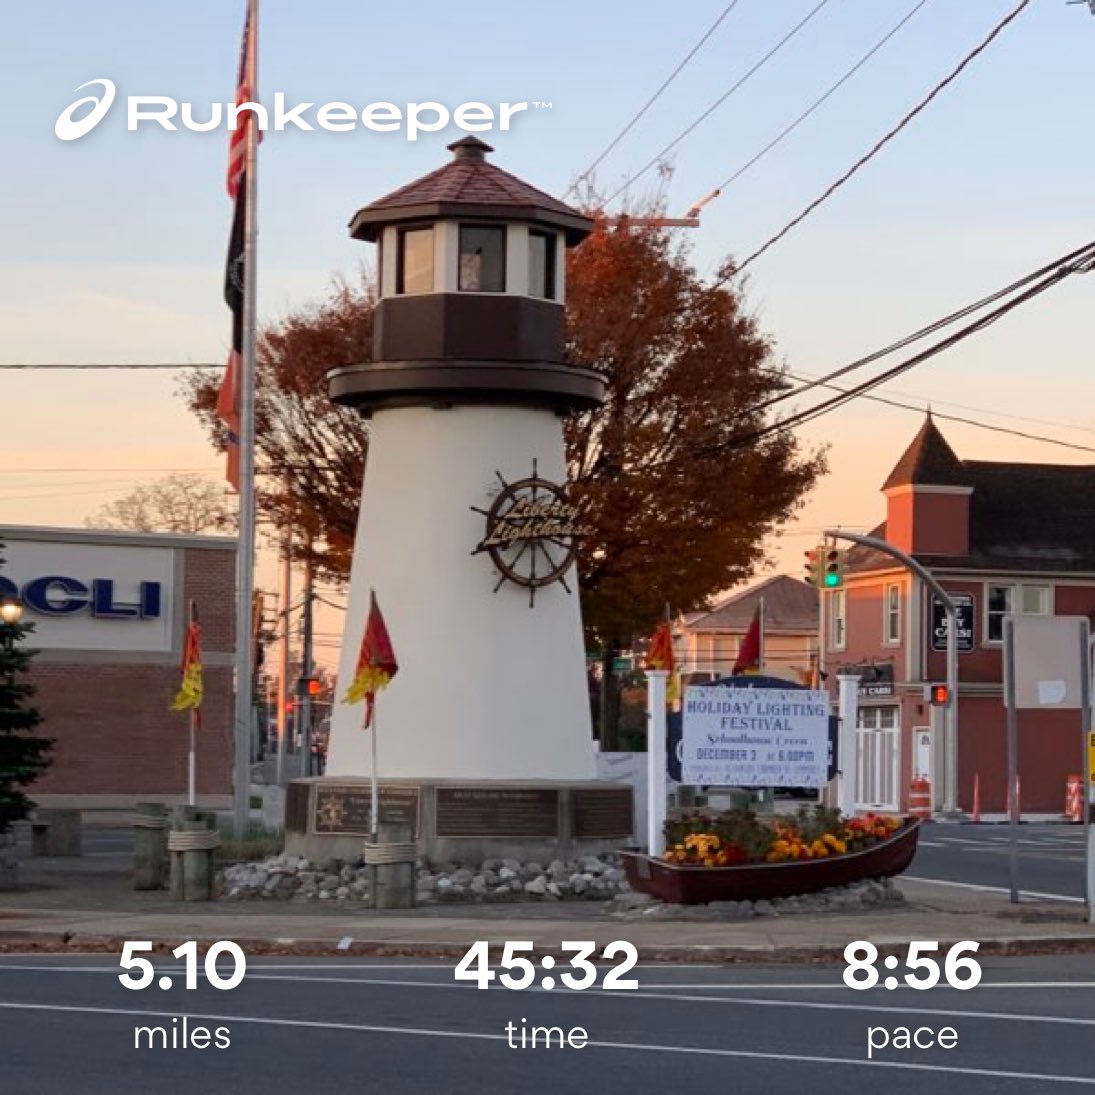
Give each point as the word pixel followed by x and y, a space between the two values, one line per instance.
pixel 305 699
pixel 284 688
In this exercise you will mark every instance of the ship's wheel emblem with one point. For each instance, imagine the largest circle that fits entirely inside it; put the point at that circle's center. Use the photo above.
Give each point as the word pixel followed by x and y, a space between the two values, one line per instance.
pixel 532 532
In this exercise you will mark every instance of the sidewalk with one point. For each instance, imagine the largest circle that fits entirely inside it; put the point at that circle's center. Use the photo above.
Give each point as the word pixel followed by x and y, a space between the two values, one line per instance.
pixel 95 911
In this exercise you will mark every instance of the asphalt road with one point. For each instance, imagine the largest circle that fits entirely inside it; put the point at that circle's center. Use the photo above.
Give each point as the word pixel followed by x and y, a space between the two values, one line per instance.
pixel 1051 858
pixel 348 1026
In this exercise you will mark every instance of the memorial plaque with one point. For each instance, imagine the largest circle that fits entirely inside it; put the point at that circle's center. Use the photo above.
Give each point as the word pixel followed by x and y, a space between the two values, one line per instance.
pixel 601 812
pixel 497 812
pixel 347 810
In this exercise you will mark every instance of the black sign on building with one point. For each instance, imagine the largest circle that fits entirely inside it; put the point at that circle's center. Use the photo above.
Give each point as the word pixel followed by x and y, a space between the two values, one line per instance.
pixel 875 681
pixel 963 604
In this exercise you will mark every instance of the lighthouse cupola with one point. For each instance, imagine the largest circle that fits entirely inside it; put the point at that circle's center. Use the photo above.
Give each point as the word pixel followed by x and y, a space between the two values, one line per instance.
pixel 471 287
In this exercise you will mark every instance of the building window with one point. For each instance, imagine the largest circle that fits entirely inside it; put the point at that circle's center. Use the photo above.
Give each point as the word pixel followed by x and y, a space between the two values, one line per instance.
pixel 878 718
pixel 541 264
pixel 998 602
pixel 838 624
pixel 414 268
pixel 1036 600
pixel 482 258
pixel 891 631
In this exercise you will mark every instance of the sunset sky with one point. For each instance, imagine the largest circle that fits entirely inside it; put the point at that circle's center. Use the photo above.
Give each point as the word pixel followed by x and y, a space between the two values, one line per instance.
pixel 113 245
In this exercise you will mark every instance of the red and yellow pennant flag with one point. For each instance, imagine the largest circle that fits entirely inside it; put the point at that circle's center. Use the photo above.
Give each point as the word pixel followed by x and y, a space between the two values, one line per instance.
pixel 376 664
pixel 189 696
pixel 659 655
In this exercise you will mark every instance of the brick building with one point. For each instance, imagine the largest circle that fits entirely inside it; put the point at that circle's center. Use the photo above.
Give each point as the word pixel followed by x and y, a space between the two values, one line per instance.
pixel 109 610
pixel 1001 538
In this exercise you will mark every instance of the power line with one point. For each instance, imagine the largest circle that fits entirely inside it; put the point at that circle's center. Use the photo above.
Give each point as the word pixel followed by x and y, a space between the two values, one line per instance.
pixel 734 269
pixel 1084 263
pixel 965 421
pixel 79 365
pixel 946 321
pixel 719 101
pixel 143 470
pixel 917 359
pixel 788 130
pixel 653 98
pixel 935 402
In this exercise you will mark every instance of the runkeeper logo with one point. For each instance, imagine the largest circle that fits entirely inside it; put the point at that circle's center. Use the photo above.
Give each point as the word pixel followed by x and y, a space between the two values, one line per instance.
pixel 77 121
pixel 69 128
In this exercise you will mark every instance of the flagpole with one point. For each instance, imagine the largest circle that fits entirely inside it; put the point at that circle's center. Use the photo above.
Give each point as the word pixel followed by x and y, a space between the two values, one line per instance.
pixel 246 549
pixel 192 764
pixel 374 824
pixel 761 652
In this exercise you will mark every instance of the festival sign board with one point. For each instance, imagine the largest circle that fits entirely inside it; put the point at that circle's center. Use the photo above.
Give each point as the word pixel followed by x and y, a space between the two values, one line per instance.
pixel 755 737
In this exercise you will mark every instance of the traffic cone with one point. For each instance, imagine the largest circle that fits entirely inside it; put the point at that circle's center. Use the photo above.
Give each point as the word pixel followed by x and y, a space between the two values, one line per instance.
pixel 975 814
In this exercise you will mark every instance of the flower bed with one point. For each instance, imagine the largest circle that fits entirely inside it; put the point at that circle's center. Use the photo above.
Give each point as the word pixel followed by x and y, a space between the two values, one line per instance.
pixel 740 857
pixel 739 836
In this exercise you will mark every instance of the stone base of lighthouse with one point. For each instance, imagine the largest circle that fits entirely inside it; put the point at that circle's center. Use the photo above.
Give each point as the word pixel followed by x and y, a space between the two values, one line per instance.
pixel 485 730
pixel 462 821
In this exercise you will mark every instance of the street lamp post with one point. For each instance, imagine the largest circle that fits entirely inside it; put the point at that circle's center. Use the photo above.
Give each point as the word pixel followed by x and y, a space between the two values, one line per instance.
pixel 11 612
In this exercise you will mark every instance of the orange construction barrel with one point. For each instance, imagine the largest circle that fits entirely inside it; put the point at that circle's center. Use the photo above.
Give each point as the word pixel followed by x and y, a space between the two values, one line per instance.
pixel 920 797
pixel 1074 797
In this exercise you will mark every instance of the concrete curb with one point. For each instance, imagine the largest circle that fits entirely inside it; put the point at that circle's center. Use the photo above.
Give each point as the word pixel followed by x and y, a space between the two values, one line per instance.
pixel 36 942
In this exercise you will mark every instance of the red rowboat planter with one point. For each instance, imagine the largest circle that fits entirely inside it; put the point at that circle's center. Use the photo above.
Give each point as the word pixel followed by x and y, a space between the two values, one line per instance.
pixel 693 884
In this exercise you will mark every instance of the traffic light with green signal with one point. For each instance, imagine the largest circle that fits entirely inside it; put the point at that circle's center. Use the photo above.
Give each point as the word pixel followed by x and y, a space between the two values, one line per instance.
pixel 825 567
pixel 833 575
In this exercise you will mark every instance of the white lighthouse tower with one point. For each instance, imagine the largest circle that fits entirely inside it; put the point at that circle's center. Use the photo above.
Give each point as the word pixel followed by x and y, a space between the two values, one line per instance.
pixel 465 532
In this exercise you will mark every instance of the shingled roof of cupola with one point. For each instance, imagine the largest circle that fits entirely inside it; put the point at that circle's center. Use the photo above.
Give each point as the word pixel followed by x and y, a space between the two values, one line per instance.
pixel 928 461
pixel 469 185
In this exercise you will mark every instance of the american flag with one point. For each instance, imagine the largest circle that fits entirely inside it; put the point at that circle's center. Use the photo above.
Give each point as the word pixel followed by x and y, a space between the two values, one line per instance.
pixel 237 147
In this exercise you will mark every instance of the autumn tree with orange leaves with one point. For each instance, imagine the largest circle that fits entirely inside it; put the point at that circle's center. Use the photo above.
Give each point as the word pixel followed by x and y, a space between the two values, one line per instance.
pixel 678 509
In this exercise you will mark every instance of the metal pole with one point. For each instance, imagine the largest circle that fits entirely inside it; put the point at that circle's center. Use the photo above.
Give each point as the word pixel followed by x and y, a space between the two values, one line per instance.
pixel 950 712
pixel 374 783
pixel 847 742
pixel 245 561
pixel 1088 749
pixel 306 671
pixel 284 594
pixel 191 760
pixel 950 717
pixel 656 744
pixel 1012 756
pixel 191 763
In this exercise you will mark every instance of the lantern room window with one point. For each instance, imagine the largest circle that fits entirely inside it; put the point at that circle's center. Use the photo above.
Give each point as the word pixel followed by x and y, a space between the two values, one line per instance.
pixel 414 269
pixel 541 264
pixel 482 258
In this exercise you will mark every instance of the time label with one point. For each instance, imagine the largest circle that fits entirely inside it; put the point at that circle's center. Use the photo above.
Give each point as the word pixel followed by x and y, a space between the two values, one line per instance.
pixel 960 970
pixel 520 972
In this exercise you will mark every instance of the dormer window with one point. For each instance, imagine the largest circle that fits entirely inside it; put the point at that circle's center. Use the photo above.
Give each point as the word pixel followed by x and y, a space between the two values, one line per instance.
pixel 541 264
pixel 482 258
pixel 414 269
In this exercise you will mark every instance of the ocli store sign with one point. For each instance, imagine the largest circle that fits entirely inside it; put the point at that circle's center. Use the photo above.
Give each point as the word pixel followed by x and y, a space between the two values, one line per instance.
pixel 83 595
pixel 58 595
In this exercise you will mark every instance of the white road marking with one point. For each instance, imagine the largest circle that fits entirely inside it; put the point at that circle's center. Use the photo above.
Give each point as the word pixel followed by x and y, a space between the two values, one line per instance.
pixel 697 1051
pixel 993 889
pixel 774 986
pixel 641 994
